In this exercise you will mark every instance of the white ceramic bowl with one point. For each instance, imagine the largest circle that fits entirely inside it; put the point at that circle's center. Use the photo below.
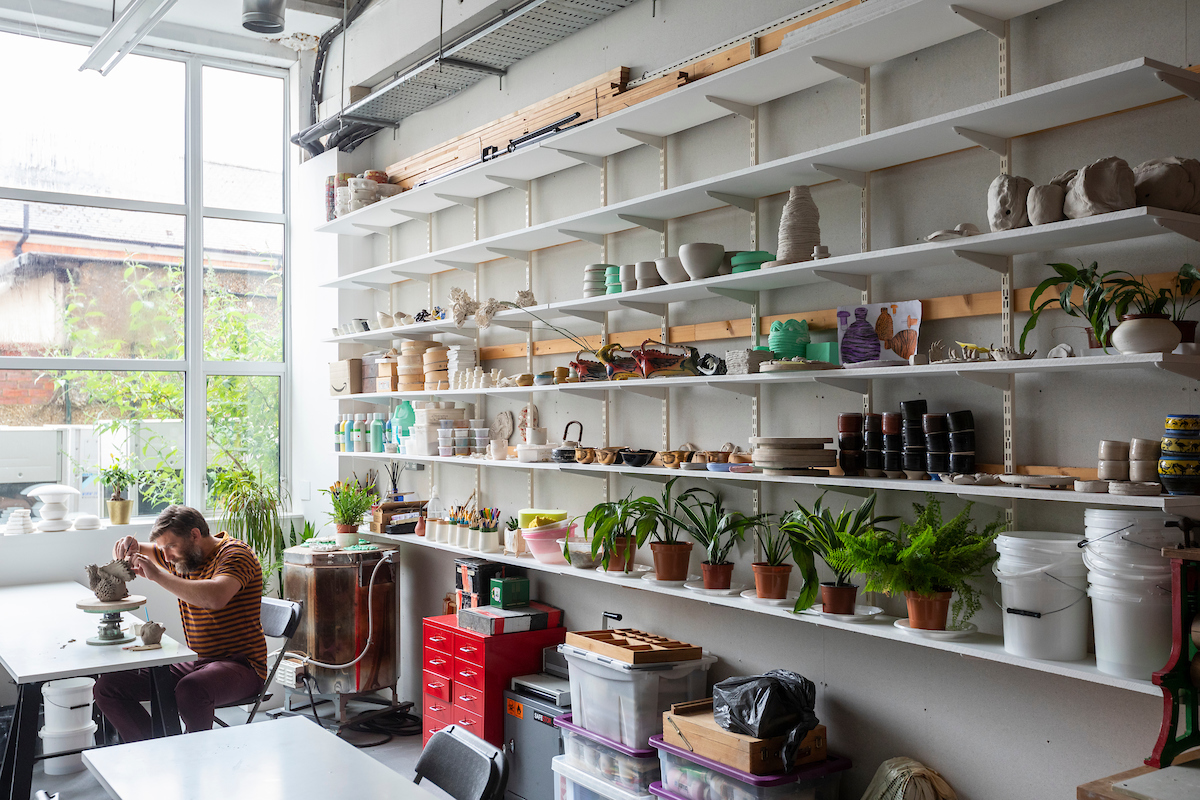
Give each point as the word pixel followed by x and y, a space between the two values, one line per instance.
pixel 671 269
pixel 701 260
pixel 645 269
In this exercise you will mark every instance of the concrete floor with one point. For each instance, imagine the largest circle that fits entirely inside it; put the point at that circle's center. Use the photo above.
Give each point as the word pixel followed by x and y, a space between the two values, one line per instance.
pixel 400 754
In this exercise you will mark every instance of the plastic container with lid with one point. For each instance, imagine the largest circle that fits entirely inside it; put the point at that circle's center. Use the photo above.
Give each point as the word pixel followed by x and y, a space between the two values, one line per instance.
pixel 573 783
pixel 687 776
pixel 625 702
pixel 630 769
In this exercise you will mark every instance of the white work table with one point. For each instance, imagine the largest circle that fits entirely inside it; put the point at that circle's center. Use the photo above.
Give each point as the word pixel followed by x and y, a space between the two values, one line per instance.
pixel 284 759
pixel 49 643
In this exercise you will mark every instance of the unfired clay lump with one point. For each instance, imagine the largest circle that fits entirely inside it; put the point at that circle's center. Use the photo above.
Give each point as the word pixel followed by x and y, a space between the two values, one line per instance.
pixel 1170 183
pixel 1101 187
pixel 1046 204
pixel 1007 197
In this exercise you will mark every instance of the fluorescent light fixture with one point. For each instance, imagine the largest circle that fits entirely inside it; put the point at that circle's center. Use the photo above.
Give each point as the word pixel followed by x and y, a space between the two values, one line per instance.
pixel 138 18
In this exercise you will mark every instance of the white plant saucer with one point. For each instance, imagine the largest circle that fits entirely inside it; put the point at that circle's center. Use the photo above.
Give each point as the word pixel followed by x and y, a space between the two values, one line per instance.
pixel 945 636
pixel 636 571
pixel 752 596
pixel 652 577
pixel 861 613
pixel 697 586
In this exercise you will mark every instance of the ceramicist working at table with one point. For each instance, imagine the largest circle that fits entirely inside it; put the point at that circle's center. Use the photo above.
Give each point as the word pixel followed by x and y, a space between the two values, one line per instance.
pixel 218 581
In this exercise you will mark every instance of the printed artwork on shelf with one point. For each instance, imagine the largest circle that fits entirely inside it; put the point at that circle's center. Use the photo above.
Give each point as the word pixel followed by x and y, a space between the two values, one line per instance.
pixel 879 331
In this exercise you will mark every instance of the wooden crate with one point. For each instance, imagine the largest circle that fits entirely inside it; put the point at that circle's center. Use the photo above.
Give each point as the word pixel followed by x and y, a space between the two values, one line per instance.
pixel 634 647
pixel 692 727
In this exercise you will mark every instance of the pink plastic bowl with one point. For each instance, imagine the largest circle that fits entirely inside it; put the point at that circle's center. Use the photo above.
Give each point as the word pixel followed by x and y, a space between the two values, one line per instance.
pixel 542 543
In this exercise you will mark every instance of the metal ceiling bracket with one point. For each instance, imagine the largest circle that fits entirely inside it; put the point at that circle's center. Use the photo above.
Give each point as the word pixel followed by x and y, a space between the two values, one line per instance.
pixel 465 266
pixel 856 74
pixel 860 282
pixel 657 392
pixel 383 123
pixel 741 109
pixel 744 203
pixel 1184 228
pixel 511 183
pixel 519 255
pixel 423 277
pixel 458 200
pixel 473 66
pixel 741 295
pixel 658 225
pixel 980 20
pixel 657 309
pixel 856 385
pixel 747 389
pixel 420 216
pixel 585 158
pixel 997 380
pixel 657 142
pixel 990 260
pixel 997 144
pixel 382 230
pixel 382 287
pixel 594 238
pixel 1189 86
pixel 590 316
pixel 851 176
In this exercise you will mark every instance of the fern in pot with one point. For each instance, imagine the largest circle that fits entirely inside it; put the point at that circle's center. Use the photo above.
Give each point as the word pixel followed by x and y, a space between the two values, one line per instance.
pixel 349 502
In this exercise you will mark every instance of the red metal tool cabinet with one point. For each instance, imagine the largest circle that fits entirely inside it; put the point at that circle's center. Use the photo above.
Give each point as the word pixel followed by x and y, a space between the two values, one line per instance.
pixel 464 674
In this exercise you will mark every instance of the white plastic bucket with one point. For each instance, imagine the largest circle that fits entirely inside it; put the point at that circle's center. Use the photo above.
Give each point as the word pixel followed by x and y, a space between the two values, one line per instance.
pixel 68 704
pixel 1043 587
pixel 1133 631
pixel 1127 569
pixel 60 741
pixel 1137 529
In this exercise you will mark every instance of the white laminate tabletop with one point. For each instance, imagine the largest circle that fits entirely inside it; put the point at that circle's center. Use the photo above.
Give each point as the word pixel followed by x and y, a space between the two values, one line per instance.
pixel 284 759
pixel 41 619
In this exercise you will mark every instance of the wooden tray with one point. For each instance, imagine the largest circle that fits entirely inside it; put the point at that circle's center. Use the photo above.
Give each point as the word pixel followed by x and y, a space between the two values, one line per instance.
pixel 633 646
pixel 692 727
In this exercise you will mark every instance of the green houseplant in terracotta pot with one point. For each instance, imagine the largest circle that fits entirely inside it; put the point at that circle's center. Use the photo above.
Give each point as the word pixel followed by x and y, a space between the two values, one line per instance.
pixel 702 514
pixel 927 561
pixel 349 501
pixel 671 554
pixel 816 533
pixel 771 575
pixel 117 479
pixel 614 529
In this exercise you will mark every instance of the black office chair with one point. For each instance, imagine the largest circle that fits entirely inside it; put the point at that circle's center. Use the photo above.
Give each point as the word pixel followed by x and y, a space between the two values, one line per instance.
pixel 279 619
pixel 463 765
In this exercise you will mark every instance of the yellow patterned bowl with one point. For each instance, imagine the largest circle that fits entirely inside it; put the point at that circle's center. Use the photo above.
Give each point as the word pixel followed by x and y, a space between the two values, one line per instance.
pixel 1179 465
pixel 1181 446
pixel 1183 422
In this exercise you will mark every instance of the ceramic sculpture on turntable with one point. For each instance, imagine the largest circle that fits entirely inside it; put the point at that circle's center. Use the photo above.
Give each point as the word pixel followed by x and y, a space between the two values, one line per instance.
pixel 1101 187
pixel 108 582
pixel 1007 202
pixel 1170 183
pixel 799 228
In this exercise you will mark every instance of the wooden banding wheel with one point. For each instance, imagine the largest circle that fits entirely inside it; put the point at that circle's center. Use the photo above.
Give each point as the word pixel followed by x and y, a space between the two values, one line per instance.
pixel 109 631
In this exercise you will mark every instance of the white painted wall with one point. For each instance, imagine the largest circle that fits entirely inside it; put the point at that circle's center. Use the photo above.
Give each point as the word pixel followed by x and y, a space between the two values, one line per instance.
pixel 992 730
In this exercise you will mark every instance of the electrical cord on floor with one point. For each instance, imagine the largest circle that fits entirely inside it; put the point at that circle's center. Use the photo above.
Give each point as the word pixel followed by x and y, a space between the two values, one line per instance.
pixel 390 725
pixel 308 681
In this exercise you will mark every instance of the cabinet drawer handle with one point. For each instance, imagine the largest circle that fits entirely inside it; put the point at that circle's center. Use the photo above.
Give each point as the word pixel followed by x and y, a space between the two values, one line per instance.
pixel 468 649
pixel 435 686
pixel 466 698
pixel 436 661
pixel 437 708
pixel 466 723
pixel 466 673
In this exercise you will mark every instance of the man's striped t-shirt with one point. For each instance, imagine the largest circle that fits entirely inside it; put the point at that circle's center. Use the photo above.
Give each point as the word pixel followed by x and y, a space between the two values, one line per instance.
pixel 235 630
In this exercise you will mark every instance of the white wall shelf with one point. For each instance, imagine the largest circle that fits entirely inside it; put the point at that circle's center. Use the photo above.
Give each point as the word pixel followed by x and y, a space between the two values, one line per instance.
pixel 982 646
pixel 863 36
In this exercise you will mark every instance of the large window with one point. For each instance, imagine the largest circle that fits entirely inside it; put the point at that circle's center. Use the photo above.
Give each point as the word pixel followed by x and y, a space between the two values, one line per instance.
pixel 142 282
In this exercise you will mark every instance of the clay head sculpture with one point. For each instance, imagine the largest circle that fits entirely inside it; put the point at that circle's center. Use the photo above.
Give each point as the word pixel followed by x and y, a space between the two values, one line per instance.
pixel 108 582
pixel 1007 198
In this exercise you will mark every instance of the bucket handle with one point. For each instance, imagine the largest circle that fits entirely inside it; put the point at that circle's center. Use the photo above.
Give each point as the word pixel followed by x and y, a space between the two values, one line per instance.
pixel 1083 543
pixel 1023 612
pixel 1030 573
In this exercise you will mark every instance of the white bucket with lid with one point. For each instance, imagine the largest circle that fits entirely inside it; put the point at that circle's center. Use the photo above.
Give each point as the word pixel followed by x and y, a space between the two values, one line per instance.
pixel 1138 529
pixel 1133 631
pixel 61 741
pixel 67 704
pixel 1043 590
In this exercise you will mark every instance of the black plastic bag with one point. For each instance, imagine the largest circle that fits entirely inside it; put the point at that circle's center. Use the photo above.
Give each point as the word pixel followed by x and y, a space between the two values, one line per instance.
pixel 764 706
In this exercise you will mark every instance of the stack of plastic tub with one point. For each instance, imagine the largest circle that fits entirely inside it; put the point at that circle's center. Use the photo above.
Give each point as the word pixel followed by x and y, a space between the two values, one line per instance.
pixel 1130 588
pixel 1043 589
pixel 592 764
pixel 69 725
pixel 687 776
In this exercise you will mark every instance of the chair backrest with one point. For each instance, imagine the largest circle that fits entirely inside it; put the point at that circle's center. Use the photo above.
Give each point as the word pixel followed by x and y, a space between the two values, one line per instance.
pixel 463 765
pixel 279 618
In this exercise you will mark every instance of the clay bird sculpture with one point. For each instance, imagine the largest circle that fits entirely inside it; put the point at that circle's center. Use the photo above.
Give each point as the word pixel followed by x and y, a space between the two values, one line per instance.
pixel 108 582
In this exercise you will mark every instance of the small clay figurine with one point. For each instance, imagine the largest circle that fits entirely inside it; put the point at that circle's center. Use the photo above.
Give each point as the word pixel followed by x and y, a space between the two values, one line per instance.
pixel 108 582
pixel 525 298
pixel 1100 188
pixel 1007 197
pixel 152 632
pixel 422 315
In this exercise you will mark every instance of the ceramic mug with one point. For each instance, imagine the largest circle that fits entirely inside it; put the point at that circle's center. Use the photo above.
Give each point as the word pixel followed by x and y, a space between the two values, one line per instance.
pixel 361 325
pixel 535 436
pixel 607 456
pixel 717 456
pixel 585 455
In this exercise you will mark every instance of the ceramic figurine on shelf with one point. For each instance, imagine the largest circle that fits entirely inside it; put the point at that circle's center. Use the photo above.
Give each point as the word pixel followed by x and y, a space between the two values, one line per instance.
pixel 619 363
pixel 1007 198
pixel 525 298
pixel 658 360
pixel 589 369
pixel 422 315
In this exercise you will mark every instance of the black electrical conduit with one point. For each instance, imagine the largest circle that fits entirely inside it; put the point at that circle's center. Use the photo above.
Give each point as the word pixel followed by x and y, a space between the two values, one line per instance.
pixel 308 138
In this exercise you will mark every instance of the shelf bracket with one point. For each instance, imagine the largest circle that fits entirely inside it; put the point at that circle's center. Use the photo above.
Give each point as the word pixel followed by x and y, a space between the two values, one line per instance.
pixel 590 394
pixel 453 331
pixel 465 266
pixel 657 309
pixel 413 276
pixel 856 491
pixel 988 500
pixel 747 389
pixel 382 287
pixel 642 476
pixel 594 238
pixel 519 255
pixel 589 472
pixel 657 225
pixel 420 216
pixel 997 380
pixel 657 392
pixel 382 230
pixel 512 324
pixel 741 295
pixel 856 385
pixel 744 203
pixel 733 484
pixel 657 142
pixel 980 20
pixel 584 158
pixel 856 74
pixel 458 200
pixel 860 282
pixel 590 316
pixel 851 176
pixel 992 261
pixel 1184 228
pixel 741 109
pixel 997 144
pixel 1186 370
pixel 1189 86
pixel 511 183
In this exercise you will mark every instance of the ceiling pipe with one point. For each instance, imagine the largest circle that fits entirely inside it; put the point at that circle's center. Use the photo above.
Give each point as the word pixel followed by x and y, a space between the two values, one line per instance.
pixel 263 16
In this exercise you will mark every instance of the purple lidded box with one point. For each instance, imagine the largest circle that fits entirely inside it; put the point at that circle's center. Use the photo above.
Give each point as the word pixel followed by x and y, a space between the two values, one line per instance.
pixel 687 776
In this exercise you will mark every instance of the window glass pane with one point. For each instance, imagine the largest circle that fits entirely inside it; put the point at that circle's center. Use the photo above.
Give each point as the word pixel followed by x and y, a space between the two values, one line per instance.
pixel 243 428
pixel 243 291
pixel 243 140
pixel 90 282
pixel 64 426
pixel 119 135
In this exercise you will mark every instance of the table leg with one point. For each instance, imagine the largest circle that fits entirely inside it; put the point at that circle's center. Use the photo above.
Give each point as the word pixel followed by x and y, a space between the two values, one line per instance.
pixel 16 774
pixel 164 714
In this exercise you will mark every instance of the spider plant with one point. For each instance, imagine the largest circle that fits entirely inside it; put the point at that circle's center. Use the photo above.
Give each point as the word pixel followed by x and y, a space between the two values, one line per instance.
pixel 702 515
pixel 774 544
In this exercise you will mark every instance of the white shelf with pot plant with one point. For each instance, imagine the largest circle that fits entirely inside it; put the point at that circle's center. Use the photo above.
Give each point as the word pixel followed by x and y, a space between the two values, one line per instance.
pixel 986 647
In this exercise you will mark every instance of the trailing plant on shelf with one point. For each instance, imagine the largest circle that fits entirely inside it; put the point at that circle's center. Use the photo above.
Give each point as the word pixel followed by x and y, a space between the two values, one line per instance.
pixel 816 533
pixel 927 561
pixel 702 515
pixel 1086 293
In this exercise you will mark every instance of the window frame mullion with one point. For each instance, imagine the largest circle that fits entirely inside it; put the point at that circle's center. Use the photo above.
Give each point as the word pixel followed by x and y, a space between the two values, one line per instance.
pixel 195 413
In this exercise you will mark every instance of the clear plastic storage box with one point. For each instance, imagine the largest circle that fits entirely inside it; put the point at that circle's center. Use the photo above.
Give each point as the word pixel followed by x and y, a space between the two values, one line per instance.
pixel 572 783
pixel 687 776
pixel 628 768
pixel 626 702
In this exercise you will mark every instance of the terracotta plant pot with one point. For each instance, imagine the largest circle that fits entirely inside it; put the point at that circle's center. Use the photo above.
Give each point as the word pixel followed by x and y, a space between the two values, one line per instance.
pixel 1146 333
pixel 119 510
pixel 623 549
pixel 1187 330
pixel 837 599
pixel 346 536
pixel 771 583
pixel 1093 342
pixel 717 576
pixel 928 612
pixel 671 560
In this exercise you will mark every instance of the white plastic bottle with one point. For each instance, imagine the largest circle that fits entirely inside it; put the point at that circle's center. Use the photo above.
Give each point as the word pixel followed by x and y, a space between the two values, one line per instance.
pixel 356 437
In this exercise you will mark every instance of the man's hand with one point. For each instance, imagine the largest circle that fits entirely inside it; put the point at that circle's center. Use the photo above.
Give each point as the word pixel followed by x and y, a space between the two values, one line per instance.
pixel 125 548
pixel 145 567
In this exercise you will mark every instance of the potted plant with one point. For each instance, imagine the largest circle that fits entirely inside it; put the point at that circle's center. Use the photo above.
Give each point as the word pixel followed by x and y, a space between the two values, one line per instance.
pixel 350 501
pixel 1154 326
pixel 1085 293
pixel 117 478
pixel 1187 281
pixel 702 515
pixel 671 554
pixel 614 528
pixel 927 561
pixel 771 575
pixel 817 533
pixel 250 511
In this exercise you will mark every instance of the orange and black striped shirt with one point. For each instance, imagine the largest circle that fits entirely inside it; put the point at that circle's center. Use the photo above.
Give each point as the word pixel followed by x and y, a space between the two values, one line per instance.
pixel 235 630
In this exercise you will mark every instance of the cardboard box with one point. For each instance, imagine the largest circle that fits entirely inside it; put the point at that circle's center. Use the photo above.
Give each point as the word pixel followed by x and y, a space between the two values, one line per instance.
pixel 495 621
pixel 382 512
pixel 510 592
pixel 345 377
pixel 384 384
pixel 691 726
pixel 370 368
pixel 475 575
pixel 386 369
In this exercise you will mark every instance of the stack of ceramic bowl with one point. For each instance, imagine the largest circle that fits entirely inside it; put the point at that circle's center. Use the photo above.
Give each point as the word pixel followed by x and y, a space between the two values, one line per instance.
pixel 872 432
pixel 1143 460
pixel 776 455
pixel 647 275
pixel 410 366
pixel 18 522
pixel 1179 464
pixel 593 279
pixel 628 277
pixel 436 361
pixel 612 279
pixel 962 441
pixel 893 444
pixel 937 443
pixel 481 436
pixel 750 260
pixel 914 438
pixel 1113 463
pixel 850 443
